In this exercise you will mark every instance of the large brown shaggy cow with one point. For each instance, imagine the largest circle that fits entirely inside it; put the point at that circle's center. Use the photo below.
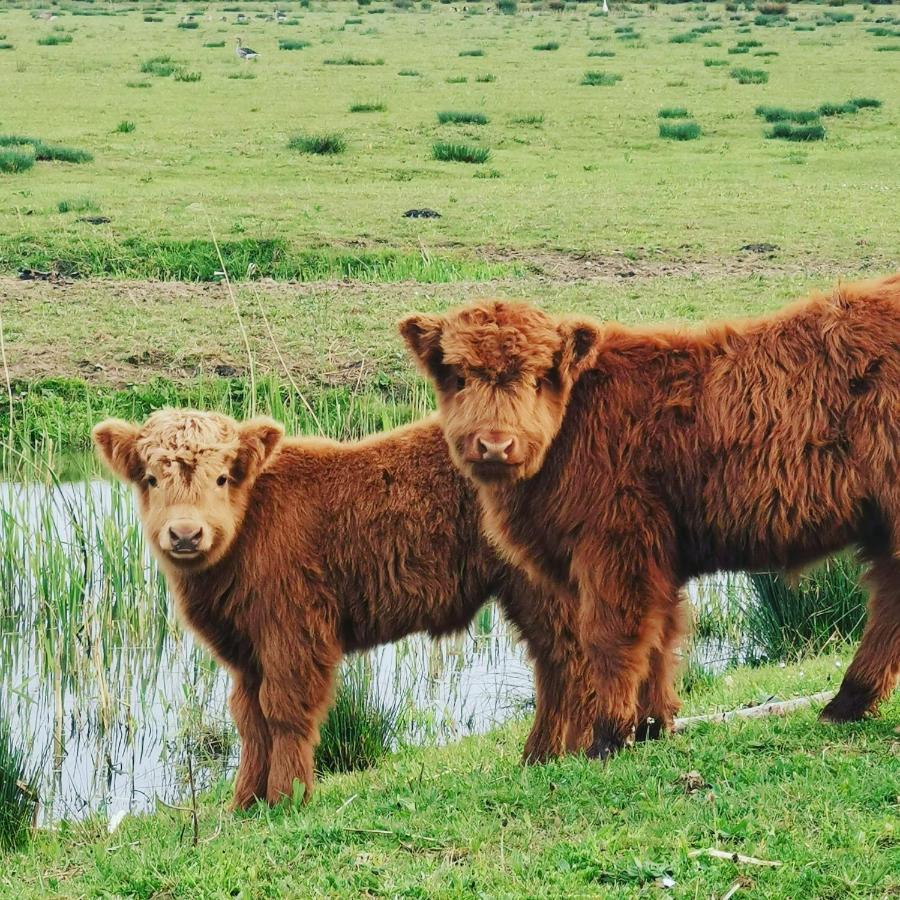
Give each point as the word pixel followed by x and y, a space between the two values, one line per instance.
pixel 618 463
pixel 284 554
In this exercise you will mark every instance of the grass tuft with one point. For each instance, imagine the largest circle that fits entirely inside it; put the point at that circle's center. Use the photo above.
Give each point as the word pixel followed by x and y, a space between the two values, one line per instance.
pixel 744 75
pixel 185 75
pixel 487 78
pixel 16 159
pixel 548 45
pixel 476 52
pixel 679 131
pixel 602 54
pixel 785 131
pixel 371 106
pixel 125 127
pixel 600 79
pixel 160 66
pixel 529 119
pixel 710 63
pixel 292 44
pixel 318 144
pixel 79 204
pixel 46 152
pixel 353 61
pixel 462 118
pixel 865 102
pixel 447 151
pixel 782 114
pixel 838 109
pixel 52 40
pixel 673 112
pixel 214 44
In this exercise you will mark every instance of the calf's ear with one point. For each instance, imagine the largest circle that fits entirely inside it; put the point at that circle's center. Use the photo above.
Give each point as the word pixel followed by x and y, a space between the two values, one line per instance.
pixel 115 441
pixel 422 334
pixel 580 338
pixel 258 439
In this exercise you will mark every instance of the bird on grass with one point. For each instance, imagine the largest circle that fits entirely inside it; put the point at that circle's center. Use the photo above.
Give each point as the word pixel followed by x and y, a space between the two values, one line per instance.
pixel 244 52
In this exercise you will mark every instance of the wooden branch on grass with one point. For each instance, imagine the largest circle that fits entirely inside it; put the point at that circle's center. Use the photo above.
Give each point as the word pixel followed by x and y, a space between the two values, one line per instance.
pixel 775 708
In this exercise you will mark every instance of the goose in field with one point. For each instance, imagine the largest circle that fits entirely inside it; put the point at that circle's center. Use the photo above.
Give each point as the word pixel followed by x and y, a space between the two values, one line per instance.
pixel 244 52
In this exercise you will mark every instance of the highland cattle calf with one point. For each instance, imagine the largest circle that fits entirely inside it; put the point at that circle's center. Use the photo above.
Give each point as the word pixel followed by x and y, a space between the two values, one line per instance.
pixel 284 554
pixel 617 463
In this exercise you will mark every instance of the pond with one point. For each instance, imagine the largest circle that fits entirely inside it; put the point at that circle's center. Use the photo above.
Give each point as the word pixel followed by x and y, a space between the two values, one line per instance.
pixel 112 699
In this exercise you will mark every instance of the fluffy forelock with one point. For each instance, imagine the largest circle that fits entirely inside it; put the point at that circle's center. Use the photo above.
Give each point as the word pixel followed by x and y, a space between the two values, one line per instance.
pixel 188 437
pixel 499 338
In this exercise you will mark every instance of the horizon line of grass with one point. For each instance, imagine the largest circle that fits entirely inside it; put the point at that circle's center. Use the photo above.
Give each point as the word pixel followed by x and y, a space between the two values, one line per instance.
pixel 245 259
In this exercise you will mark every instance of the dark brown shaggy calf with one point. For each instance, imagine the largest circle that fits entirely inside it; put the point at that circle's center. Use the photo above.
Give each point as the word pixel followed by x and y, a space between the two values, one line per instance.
pixel 617 463
pixel 285 554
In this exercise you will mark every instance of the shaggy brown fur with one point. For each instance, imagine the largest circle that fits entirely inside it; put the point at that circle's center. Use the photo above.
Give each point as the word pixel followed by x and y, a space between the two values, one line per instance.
pixel 617 463
pixel 285 554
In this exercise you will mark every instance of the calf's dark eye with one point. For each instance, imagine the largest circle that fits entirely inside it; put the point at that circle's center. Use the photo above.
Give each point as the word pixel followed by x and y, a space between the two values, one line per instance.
pixel 220 481
pixel 151 481
pixel 460 382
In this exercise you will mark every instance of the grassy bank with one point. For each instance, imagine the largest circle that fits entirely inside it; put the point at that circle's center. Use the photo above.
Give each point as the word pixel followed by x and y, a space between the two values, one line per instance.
pixel 468 820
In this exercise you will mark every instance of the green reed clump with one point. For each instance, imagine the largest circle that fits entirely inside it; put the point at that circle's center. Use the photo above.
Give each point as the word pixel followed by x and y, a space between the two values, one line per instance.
pixel 360 728
pixel 126 126
pixel 547 45
pixel 5 45
pixel 185 75
pixel 487 78
pixel 18 794
pixel 782 114
pixel 245 259
pixel 679 131
pixel 370 106
pixel 600 79
pixel 318 144
pixel 214 44
pixel 687 37
pixel 602 54
pixel 188 26
pixel 14 160
pixel 744 75
pixel 448 151
pixel 52 40
pixel 409 73
pixel 457 79
pixel 528 119
pixel 825 607
pixel 292 44
pixel 462 118
pixel 710 63
pixel 673 112
pixel 785 131
pixel 476 52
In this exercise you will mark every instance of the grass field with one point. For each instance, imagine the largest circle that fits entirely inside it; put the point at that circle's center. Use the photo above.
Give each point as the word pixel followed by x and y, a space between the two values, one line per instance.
pixel 469 821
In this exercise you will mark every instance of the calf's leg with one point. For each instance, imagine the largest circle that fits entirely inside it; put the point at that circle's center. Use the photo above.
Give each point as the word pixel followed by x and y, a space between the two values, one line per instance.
pixel 873 673
pixel 298 676
pixel 253 770
pixel 658 704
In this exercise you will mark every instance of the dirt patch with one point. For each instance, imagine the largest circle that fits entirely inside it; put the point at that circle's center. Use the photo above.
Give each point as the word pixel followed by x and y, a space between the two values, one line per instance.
pixel 758 259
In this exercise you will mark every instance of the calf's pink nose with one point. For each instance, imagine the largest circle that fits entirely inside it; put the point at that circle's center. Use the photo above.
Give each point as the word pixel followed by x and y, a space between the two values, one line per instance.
pixel 185 535
pixel 494 447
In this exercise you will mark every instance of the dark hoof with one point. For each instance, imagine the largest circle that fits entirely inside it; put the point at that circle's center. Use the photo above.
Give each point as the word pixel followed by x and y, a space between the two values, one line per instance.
pixel 651 729
pixel 852 703
pixel 604 749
